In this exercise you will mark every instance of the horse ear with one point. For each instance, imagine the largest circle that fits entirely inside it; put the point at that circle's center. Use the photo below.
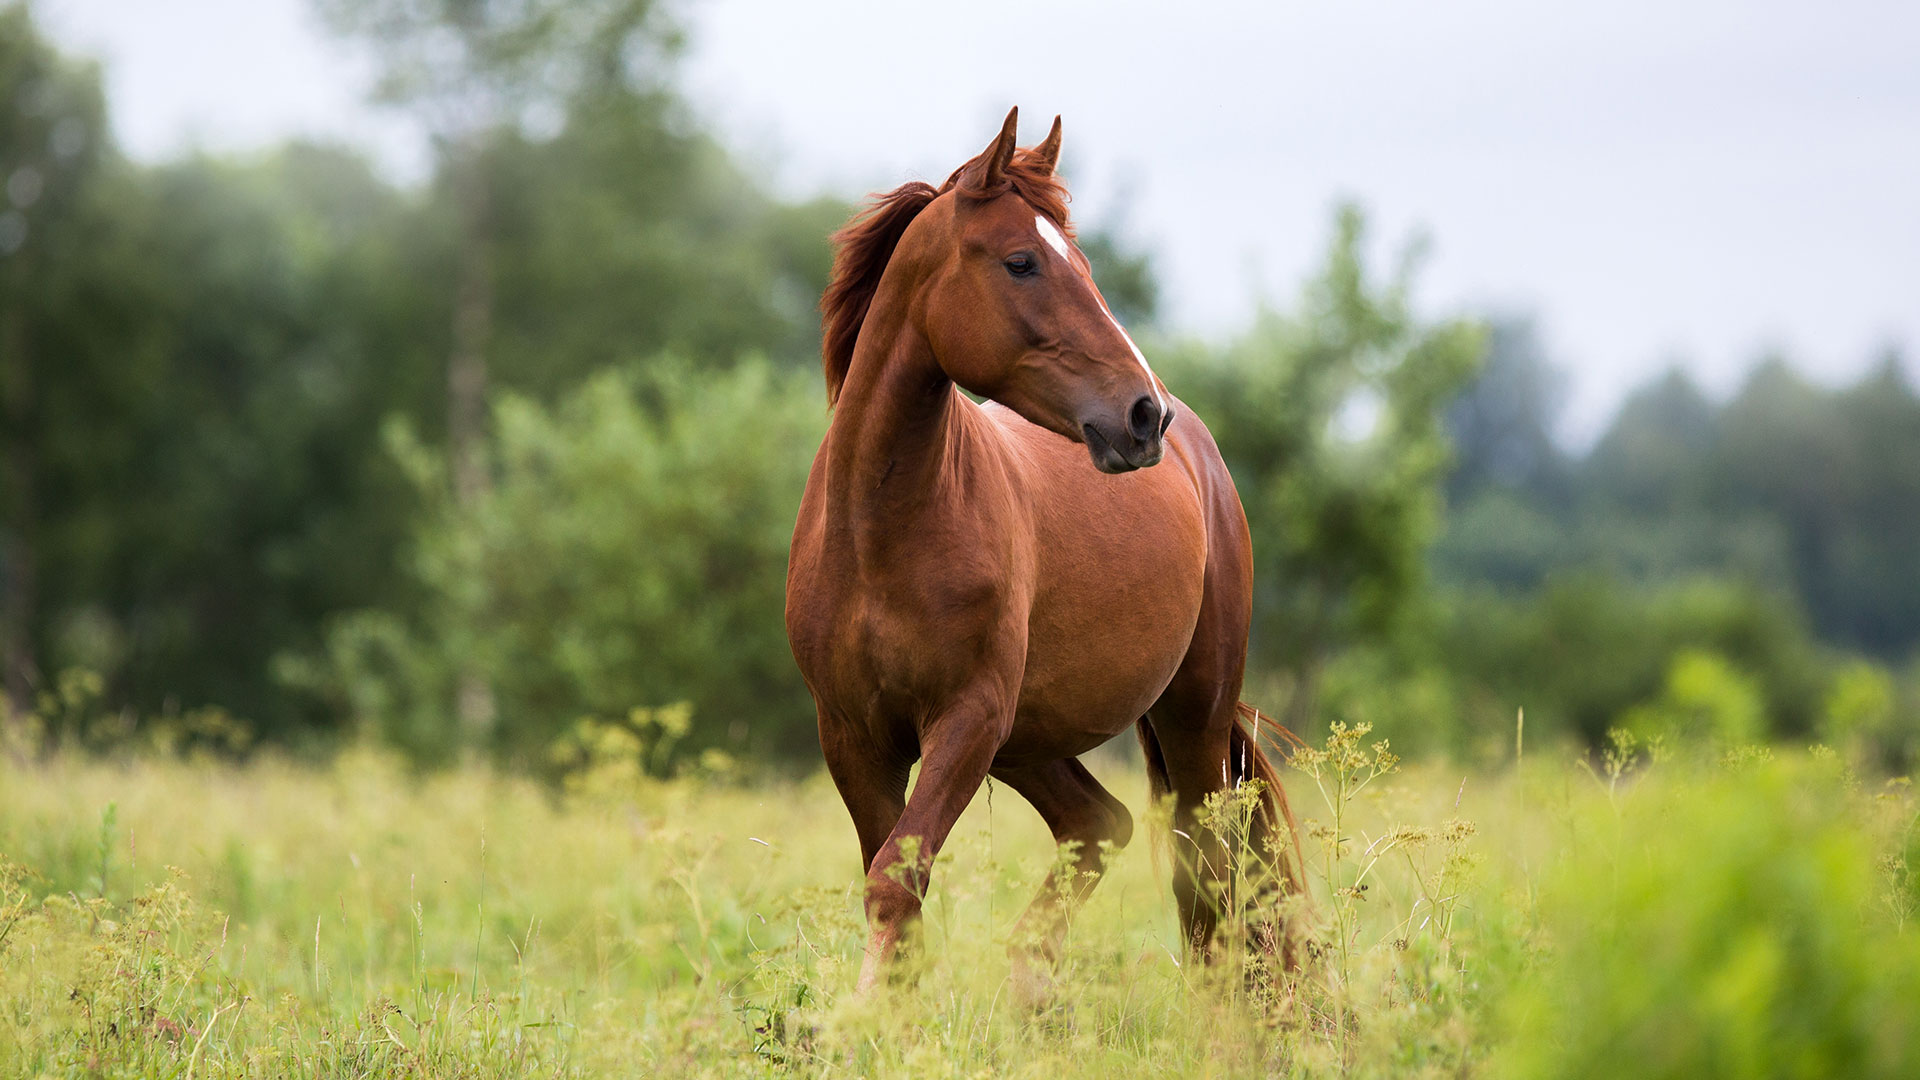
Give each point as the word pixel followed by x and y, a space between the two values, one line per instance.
pixel 1048 152
pixel 999 155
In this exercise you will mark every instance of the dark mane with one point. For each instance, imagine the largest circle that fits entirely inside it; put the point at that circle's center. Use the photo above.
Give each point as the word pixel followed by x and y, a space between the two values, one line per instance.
pixel 864 245
pixel 861 250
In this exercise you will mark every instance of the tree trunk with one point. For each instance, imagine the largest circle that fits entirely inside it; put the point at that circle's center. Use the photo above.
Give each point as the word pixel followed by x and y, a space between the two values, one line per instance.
pixel 20 520
pixel 472 328
pixel 467 395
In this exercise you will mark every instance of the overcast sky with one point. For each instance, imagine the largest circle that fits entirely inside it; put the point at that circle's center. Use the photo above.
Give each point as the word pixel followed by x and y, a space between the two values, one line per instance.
pixel 1656 181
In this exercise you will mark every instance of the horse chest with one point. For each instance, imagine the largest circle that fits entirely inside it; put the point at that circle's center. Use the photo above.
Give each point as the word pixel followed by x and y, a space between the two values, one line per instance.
pixel 917 636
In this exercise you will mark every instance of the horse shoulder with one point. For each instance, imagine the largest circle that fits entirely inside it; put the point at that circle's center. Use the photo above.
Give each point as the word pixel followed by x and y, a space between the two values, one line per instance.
pixel 811 606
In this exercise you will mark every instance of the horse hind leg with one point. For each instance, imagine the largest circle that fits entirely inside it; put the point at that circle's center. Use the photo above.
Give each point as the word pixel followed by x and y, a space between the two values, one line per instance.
pixel 1087 821
pixel 1196 746
pixel 1190 763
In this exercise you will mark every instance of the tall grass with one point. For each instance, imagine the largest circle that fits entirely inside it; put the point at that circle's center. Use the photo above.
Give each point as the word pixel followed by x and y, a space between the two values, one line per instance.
pixel 1690 918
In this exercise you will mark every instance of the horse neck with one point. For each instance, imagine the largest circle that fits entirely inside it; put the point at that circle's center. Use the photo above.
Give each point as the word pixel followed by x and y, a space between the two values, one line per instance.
pixel 896 436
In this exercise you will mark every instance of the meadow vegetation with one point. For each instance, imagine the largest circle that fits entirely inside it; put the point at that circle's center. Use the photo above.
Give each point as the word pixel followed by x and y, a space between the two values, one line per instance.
pixel 1664 912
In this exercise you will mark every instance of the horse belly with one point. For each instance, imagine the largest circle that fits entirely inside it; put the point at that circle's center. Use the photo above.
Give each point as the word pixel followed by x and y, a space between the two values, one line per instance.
pixel 1111 623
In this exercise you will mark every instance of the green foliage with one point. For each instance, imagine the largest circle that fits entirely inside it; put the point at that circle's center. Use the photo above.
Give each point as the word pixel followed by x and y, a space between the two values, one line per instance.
pixel 52 130
pixel 1860 703
pixel 1503 422
pixel 1705 699
pixel 471 66
pixel 1735 935
pixel 1331 420
pixel 204 497
pixel 72 715
pixel 626 234
pixel 1124 273
pixel 1584 651
pixel 1787 482
pixel 631 553
pixel 1439 708
pixel 1873 716
pixel 604 760
pixel 196 483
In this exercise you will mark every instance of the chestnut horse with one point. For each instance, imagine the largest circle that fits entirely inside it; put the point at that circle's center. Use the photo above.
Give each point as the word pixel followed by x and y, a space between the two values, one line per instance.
pixel 968 589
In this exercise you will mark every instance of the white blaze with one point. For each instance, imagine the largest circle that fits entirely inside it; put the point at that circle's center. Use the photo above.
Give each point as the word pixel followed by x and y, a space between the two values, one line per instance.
pixel 1137 355
pixel 1052 236
pixel 1057 242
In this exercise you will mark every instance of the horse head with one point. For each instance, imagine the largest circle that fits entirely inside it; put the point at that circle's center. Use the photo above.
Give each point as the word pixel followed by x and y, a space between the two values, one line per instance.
pixel 1007 302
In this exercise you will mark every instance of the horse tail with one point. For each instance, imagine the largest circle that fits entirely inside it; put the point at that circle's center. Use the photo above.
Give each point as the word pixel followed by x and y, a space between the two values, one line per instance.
pixel 1275 830
pixel 1159 791
pixel 1274 833
pixel 1158 786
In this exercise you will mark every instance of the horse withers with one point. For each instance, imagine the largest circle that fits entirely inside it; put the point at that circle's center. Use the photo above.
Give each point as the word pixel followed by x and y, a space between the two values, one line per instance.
pixel 970 589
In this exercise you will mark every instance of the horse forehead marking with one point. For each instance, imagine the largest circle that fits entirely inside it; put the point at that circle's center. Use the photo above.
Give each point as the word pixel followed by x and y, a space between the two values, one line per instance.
pixel 1152 382
pixel 1051 235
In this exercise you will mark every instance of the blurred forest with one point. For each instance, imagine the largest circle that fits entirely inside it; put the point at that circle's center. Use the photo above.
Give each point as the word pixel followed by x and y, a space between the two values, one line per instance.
pixel 291 453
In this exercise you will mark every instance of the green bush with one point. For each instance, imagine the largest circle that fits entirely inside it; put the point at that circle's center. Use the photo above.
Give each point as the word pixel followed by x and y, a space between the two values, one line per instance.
pixel 1705 700
pixel 1331 416
pixel 630 554
pixel 1873 716
pixel 1728 925
pixel 1584 651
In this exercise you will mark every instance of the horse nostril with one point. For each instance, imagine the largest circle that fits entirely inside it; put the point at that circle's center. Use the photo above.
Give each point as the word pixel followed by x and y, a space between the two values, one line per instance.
pixel 1144 420
pixel 1166 421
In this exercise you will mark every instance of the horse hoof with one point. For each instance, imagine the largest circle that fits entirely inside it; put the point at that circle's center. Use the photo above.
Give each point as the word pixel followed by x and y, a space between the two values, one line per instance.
pixel 1033 984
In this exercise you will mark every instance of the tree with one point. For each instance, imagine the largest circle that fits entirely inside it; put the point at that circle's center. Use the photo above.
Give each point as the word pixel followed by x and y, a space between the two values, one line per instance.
pixel 52 143
pixel 1502 424
pixel 1125 275
pixel 1652 455
pixel 475 72
pixel 1836 471
pixel 630 556
pixel 625 234
pixel 1332 421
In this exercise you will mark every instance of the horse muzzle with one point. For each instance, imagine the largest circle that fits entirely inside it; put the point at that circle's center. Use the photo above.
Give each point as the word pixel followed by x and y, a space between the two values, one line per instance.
pixel 1120 453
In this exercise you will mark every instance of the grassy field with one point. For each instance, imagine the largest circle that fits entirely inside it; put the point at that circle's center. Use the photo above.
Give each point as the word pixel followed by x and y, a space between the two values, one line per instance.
pixel 1713 915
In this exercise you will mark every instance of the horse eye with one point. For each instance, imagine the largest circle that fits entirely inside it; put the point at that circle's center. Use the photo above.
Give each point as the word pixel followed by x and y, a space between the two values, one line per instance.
pixel 1020 265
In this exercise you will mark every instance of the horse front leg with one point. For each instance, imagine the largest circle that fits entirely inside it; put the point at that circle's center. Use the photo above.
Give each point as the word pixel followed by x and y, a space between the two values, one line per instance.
pixel 1081 812
pixel 956 750
pixel 871 777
